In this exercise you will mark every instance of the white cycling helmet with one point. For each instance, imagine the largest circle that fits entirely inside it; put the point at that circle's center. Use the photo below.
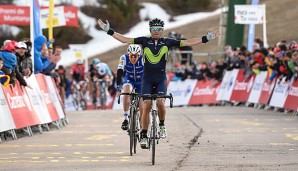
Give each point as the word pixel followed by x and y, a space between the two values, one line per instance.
pixel 134 49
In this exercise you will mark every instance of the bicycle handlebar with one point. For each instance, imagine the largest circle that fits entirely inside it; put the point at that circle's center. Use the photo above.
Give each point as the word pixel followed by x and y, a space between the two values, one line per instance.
pixel 127 94
pixel 155 96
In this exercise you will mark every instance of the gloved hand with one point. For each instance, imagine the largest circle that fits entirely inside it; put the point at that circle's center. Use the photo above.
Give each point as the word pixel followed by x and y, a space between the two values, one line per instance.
pixel 103 26
pixel 211 35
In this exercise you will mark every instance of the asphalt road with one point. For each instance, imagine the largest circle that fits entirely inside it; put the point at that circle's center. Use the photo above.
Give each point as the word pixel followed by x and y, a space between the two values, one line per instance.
pixel 199 138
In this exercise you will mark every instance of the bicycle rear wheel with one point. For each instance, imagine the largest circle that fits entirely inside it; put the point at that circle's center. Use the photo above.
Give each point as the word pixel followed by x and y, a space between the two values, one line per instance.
pixel 136 129
pixel 103 98
pixel 153 138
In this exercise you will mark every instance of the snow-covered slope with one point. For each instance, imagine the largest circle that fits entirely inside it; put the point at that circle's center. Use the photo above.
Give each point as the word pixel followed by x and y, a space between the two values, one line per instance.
pixel 102 42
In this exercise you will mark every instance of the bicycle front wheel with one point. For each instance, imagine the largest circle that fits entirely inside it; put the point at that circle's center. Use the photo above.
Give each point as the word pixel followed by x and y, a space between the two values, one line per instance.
pixel 131 130
pixel 153 138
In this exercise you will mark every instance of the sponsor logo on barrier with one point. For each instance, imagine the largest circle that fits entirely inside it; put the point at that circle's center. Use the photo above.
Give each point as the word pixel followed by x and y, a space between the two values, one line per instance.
pixel 240 85
pixel 27 101
pixel 280 88
pixel 188 90
pixel 46 97
pixel 204 91
pixel 266 87
pixel 2 102
pixel 293 91
pixel 16 101
pixel 257 86
pixel 34 99
pixel 230 83
pixel 223 85
pixel 179 92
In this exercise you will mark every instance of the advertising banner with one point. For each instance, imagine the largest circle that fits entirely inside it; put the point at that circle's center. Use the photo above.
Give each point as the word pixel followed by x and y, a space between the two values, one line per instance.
pixel 249 14
pixel 255 93
pixel 14 15
pixel 181 91
pixel 46 95
pixel 292 98
pixel 37 101
pixel 20 107
pixel 6 121
pixel 227 85
pixel 204 93
pixel 241 88
pixel 280 93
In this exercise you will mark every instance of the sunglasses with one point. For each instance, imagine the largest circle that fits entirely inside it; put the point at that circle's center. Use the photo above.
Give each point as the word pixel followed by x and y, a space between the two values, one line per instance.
pixel 133 55
pixel 156 28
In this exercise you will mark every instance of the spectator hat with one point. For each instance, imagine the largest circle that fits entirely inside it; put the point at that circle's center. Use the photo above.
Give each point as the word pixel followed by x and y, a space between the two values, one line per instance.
pixel 6 42
pixel 22 45
pixel 11 46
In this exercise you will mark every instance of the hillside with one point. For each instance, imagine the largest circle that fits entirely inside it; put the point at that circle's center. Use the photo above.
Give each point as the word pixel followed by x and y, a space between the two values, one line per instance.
pixel 281 24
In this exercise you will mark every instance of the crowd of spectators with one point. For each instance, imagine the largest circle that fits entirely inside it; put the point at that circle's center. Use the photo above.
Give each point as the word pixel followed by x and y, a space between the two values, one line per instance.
pixel 16 61
pixel 280 60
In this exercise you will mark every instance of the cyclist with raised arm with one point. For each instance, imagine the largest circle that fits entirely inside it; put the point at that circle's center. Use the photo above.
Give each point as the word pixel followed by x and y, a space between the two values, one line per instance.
pixel 132 65
pixel 101 71
pixel 155 52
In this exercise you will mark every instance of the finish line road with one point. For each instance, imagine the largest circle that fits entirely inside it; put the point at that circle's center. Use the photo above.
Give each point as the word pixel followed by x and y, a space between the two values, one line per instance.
pixel 199 138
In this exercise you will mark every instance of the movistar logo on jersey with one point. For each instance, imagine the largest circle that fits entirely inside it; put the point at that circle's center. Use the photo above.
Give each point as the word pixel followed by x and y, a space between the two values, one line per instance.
pixel 154 59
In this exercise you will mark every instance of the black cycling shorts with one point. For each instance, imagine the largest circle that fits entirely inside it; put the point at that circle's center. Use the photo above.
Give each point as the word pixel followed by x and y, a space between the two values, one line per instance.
pixel 154 84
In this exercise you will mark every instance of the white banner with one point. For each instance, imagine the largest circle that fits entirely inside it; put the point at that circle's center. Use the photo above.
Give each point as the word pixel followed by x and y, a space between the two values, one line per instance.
pixel 6 121
pixel 280 94
pixel 37 101
pixel 181 91
pixel 257 87
pixel 54 96
pixel 249 14
pixel 58 18
pixel 227 85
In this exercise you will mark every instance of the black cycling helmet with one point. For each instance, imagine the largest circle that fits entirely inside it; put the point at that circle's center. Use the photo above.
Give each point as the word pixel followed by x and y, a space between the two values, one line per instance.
pixel 156 22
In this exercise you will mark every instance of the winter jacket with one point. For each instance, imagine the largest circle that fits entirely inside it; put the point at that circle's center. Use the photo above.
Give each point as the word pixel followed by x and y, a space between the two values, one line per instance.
pixel 38 63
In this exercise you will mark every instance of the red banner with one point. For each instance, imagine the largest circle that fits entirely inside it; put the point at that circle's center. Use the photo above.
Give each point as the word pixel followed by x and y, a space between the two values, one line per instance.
pixel 20 15
pixel 15 15
pixel 204 93
pixel 20 106
pixel 292 98
pixel 241 88
pixel 71 16
pixel 46 96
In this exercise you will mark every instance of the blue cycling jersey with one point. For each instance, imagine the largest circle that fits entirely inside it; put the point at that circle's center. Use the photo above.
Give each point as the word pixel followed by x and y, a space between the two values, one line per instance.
pixel 156 52
pixel 134 72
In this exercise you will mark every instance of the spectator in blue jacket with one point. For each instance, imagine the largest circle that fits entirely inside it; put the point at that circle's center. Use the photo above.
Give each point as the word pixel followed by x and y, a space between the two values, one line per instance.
pixel 10 64
pixel 4 79
pixel 40 62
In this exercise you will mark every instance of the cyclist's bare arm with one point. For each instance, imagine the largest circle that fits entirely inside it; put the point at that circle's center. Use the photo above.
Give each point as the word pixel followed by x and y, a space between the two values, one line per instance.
pixel 116 35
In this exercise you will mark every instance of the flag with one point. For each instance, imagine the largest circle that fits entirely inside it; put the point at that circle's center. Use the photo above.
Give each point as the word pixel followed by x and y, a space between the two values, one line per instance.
pixel 36 19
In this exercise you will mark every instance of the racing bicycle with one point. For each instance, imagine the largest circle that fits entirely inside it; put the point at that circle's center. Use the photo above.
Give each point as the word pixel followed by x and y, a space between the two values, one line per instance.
pixel 134 120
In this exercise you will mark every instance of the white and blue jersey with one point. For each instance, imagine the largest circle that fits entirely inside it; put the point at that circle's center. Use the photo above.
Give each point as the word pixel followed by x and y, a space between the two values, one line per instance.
pixel 103 69
pixel 133 72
